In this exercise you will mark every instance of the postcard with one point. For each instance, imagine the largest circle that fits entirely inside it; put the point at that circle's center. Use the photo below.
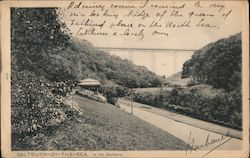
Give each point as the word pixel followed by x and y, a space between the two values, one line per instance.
pixel 124 79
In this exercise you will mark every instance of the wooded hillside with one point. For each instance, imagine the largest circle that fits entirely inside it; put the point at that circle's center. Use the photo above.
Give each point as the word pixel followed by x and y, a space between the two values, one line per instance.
pixel 217 64
pixel 46 64
pixel 82 60
pixel 41 44
pixel 214 93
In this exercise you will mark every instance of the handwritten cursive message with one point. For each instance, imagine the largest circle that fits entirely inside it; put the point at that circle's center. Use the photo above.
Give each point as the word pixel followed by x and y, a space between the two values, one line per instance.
pixel 141 19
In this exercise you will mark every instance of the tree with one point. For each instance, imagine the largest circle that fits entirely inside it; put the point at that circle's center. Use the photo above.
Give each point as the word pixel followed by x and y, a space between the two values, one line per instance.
pixel 35 34
pixel 217 64
pixel 37 37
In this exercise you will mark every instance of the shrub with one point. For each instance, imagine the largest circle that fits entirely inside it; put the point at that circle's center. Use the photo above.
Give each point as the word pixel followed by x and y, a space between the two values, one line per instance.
pixel 202 102
pixel 34 108
pixel 113 92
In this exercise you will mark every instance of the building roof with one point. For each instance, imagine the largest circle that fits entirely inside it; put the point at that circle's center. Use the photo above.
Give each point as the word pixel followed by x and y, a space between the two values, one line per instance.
pixel 89 82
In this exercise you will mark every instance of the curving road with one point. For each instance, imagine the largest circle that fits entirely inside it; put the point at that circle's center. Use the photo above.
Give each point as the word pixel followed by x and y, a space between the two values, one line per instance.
pixel 199 134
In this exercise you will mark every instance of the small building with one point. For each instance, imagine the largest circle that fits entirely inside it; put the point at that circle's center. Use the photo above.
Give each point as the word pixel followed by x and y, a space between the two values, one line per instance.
pixel 90 84
pixel 90 88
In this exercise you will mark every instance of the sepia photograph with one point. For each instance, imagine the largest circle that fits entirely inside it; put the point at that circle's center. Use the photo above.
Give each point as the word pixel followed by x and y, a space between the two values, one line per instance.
pixel 120 77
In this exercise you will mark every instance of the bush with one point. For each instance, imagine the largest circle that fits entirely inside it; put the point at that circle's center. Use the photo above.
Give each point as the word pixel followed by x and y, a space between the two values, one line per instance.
pixel 202 102
pixel 34 108
pixel 113 92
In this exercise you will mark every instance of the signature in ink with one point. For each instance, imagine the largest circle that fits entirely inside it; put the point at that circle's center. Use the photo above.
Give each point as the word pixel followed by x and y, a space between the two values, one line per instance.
pixel 208 142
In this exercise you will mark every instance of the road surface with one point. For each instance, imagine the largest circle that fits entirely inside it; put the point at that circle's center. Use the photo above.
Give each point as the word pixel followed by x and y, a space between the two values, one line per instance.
pixel 199 134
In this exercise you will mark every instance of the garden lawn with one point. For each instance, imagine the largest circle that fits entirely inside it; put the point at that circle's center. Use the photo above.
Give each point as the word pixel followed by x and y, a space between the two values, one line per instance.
pixel 103 126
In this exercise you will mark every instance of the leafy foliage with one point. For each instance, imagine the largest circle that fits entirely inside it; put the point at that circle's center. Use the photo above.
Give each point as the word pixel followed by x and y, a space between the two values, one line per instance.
pixel 217 64
pixel 46 65
pixel 200 101
pixel 38 105
pixel 35 33
pixel 113 92
pixel 215 92
pixel 40 44
pixel 81 60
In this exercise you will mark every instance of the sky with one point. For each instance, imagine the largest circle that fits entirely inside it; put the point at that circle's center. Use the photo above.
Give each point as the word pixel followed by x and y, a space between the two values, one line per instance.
pixel 167 62
pixel 162 63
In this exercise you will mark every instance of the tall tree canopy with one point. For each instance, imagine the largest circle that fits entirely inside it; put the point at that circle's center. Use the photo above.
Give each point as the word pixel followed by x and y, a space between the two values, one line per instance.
pixel 35 33
pixel 217 64
pixel 41 44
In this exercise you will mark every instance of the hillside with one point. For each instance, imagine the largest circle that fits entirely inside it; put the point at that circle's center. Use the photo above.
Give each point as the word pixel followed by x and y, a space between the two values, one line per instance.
pixel 168 84
pixel 213 85
pixel 217 64
pixel 83 60
pixel 102 126
pixel 54 54
pixel 46 64
pixel 215 71
pixel 176 79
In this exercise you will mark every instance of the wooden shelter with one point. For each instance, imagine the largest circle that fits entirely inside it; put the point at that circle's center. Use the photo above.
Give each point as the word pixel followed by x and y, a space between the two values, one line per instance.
pixel 90 84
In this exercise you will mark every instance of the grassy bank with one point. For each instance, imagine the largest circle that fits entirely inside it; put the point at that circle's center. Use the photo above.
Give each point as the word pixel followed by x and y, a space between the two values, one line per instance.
pixel 105 127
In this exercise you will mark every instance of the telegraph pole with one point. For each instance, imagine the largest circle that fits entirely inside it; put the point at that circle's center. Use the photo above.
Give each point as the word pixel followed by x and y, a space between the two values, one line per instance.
pixel 131 104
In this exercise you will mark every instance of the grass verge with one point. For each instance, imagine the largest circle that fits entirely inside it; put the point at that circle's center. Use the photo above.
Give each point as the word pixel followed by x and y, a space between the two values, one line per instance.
pixel 105 127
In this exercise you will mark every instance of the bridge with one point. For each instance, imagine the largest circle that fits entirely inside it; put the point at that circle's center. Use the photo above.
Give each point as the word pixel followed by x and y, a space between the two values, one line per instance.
pixel 153 61
pixel 147 49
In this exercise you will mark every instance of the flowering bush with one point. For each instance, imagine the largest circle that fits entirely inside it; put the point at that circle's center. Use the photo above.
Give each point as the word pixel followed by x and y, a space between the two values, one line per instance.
pixel 35 108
